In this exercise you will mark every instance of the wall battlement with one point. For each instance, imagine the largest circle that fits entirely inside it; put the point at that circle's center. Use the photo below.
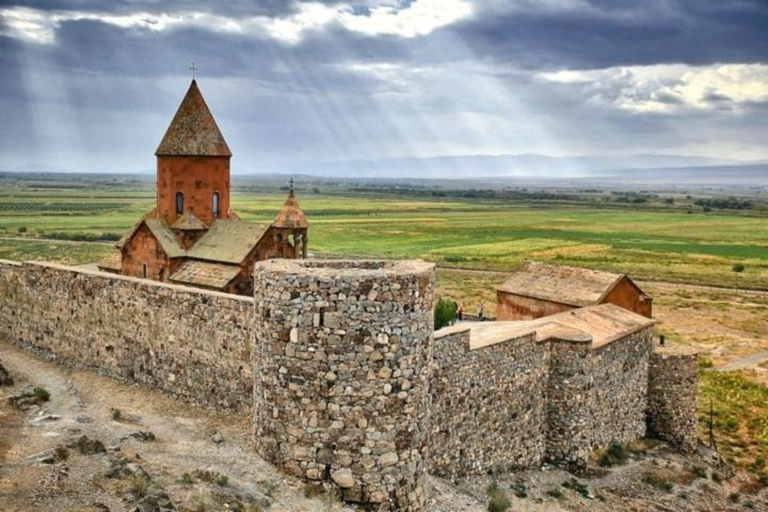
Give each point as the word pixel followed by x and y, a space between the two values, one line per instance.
pixel 345 379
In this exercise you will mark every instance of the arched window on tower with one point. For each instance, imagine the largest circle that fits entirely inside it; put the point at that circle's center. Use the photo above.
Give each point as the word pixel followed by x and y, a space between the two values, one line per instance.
pixel 215 204
pixel 179 203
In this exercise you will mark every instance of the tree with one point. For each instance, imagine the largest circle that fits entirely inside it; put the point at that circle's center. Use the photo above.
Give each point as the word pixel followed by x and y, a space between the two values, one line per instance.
pixel 445 312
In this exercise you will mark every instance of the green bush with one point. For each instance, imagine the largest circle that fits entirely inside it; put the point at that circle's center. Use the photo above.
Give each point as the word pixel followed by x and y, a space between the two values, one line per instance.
pixel 497 499
pixel 22 229
pixel 739 268
pixel 445 312
pixel 41 394
pixel 615 455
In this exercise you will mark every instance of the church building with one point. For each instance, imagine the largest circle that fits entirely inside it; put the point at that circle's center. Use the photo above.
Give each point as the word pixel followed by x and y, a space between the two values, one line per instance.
pixel 192 237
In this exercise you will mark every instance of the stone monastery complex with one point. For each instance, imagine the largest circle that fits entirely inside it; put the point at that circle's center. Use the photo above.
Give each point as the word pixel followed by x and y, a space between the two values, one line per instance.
pixel 192 236
pixel 337 362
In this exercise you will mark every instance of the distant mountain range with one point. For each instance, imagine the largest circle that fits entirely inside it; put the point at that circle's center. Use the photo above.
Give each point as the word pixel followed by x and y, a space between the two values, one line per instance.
pixel 529 166
pixel 642 168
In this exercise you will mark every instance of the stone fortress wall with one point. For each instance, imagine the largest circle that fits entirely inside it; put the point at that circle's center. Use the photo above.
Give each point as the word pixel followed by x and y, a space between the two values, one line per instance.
pixel 186 342
pixel 346 380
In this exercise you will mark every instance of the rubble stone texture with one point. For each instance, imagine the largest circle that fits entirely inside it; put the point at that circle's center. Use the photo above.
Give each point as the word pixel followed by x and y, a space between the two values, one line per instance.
pixel 347 381
pixel 341 374
pixel 488 408
pixel 182 341
pixel 673 380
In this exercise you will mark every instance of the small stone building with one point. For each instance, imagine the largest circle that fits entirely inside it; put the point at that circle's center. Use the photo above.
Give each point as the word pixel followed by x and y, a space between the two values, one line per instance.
pixel 192 237
pixel 539 289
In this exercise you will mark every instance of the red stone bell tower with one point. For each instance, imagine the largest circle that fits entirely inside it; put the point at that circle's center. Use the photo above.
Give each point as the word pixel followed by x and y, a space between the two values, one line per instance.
pixel 193 165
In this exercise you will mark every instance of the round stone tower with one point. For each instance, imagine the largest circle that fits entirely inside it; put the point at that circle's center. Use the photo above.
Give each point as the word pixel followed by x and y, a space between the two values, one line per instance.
pixel 341 357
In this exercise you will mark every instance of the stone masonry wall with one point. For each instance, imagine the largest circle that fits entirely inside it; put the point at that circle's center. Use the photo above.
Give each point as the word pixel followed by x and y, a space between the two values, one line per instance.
pixel 673 381
pixel 488 411
pixel 620 392
pixel 596 395
pixel 342 355
pixel 569 402
pixel 186 342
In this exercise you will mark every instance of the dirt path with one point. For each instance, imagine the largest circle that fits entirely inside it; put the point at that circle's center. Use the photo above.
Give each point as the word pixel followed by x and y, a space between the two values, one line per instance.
pixel 744 362
pixel 35 239
pixel 82 403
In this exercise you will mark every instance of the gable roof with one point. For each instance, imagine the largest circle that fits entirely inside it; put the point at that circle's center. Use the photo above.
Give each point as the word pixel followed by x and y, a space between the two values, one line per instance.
pixel 203 273
pixel 193 130
pixel 189 222
pixel 291 215
pixel 165 237
pixel 598 325
pixel 571 286
pixel 227 241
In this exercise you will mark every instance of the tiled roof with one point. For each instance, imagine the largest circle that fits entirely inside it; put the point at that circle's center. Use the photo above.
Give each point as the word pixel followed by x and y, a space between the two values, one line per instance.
pixel 291 215
pixel 556 283
pixel 202 273
pixel 113 262
pixel 165 237
pixel 598 324
pixel 188 222
pixel 193 130
pixel 227 241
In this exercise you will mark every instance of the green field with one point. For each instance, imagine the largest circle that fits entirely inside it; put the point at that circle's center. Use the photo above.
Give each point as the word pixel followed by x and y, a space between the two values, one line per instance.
pixel 651 244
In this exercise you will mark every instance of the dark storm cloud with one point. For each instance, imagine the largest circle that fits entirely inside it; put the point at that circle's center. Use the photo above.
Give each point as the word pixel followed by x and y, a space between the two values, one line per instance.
pixel 608 33
pixel 472 86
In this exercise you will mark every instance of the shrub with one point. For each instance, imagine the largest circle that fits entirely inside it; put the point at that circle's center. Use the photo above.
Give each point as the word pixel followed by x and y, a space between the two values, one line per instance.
pixel 705 362
pixel 497 499
pixel 312 490
pixel 22 229
pixel 615 455
pixel 555 493
pixel 520 490
pixel 658 482
pixel 62 453
pixel 699 472
pixel 139 486
pixel 187 479
pixel 739 268
pixel 580 489
pixel 117 414
pixel 41 394
pixel 445 312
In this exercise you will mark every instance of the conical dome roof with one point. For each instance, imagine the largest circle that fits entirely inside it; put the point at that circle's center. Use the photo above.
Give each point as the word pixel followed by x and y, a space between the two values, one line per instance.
pixel 193 131
pixel 291 215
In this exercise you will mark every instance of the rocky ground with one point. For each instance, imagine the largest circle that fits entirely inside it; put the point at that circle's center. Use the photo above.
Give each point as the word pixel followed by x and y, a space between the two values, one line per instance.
pixel 97 445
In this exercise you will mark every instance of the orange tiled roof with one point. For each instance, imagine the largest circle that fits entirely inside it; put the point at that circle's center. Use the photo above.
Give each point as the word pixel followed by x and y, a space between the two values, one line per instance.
pixel 572 286
pixel 202 273
pixel 291 215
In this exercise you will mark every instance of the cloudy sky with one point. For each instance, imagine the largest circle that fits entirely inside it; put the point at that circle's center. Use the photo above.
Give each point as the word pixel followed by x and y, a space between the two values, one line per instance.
pixel 89 85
